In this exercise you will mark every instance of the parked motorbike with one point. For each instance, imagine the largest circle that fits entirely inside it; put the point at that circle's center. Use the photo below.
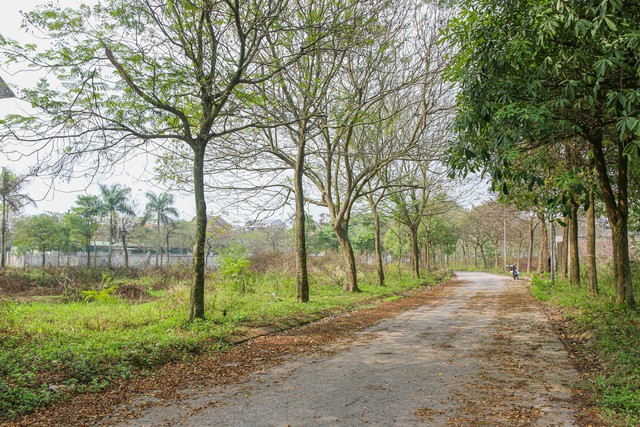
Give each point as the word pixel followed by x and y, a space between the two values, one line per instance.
pixel 514 271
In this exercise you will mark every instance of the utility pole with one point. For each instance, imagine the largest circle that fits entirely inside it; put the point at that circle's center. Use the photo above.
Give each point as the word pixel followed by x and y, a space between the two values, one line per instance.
pixel 553 254
pixel 504 239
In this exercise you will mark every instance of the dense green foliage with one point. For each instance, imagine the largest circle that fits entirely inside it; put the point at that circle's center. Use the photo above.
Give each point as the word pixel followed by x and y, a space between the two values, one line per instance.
pixel 52 348
pixel 42 233
pixel 82 221
pixel 524 86
pixel 611 333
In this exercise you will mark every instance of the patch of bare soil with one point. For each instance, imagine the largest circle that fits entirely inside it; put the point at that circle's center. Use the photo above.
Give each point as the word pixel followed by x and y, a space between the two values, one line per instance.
pixel 221 368
pixel 17 287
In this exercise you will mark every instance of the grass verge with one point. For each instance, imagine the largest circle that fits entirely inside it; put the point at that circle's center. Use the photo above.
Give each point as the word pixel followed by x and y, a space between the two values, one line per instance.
pixel 51 349
pixel 611 334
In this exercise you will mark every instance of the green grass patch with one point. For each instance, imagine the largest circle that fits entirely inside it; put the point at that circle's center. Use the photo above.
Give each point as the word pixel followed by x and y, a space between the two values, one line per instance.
pixel 51 349
pixel 614 337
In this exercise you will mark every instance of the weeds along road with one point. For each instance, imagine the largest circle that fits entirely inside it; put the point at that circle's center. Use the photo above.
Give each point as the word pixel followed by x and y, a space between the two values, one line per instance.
pixel 480 352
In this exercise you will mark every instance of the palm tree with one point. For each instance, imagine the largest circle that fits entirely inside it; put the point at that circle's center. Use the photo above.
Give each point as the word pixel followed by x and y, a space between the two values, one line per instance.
pixel 125 225
pixel 12 200
pixel 114 200
pixel 161 208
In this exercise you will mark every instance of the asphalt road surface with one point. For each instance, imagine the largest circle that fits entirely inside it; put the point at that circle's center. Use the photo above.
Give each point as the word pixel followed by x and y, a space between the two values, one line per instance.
pixel 483 354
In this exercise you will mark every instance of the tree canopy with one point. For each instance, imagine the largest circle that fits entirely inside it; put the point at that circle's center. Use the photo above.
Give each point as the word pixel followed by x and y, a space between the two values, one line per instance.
pixel 534 74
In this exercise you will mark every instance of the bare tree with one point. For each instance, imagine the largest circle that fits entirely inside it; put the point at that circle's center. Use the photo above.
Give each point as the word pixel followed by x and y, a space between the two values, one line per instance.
pixel 472 226
pixel 380 83
pixel 147 73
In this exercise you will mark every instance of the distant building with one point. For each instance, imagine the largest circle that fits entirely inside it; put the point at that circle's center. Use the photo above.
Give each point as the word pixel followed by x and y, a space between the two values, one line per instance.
pixel 264 224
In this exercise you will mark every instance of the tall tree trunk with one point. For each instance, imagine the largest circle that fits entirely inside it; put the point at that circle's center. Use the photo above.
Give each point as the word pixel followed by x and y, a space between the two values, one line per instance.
pixel 530 254
pixel 484 258
pixel 592 272
pixel 44 259
pixel 159 254
pixel 196 301
pixel 574 273
pixel 467 255
pixel 351 275
pixel 564 249
pixel 432 250
pixel 621 261
pixel 617 212
pixel 464 254
pixel 89 253
pixel 519 250
pixel 302 275
pixel 168 250
pixel 427 257
pixel 126 252
pixel 475 256
pixel 4 233
pixel 543 258
pixel 415 251
pixel 378 246
pixel 110 240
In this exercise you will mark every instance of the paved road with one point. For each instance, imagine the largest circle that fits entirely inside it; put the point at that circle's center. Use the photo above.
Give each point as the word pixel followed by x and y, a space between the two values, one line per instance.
pixel 484 355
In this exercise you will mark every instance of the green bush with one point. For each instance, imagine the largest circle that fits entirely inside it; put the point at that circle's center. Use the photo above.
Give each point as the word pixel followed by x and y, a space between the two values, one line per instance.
pixel 234 267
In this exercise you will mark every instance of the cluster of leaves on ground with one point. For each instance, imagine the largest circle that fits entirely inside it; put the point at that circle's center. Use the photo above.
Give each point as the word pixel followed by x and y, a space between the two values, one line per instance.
pixel 53 347
pixel 611 333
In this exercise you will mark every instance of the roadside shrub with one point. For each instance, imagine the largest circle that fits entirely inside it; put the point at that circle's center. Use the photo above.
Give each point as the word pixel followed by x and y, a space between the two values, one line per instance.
pixel 234 267
pixel 265 262
pixel 328 268
pixel 22 393
pixel 179 271
pixel 102 295
pixel 7 318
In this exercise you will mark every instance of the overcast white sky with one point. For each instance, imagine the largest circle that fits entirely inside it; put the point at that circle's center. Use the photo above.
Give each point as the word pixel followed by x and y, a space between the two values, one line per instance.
pixel 59 196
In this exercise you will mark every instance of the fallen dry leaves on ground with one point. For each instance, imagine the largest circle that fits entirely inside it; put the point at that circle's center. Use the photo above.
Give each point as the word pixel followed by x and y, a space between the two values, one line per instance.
pixel 236 364
pixel 224 367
